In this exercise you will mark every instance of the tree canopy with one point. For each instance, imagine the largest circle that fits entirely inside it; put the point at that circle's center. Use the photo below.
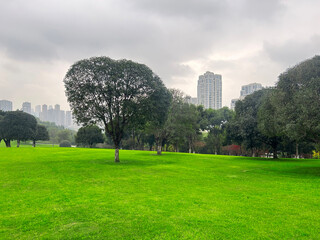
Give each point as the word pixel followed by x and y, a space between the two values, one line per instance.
pixel 112 93
pixel 89 136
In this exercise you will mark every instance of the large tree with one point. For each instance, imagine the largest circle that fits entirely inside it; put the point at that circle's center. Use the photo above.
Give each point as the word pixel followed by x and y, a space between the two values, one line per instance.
pixel 111 93
pixel 157 125
pixel 299 101
pixel 246 121
pixel 269 123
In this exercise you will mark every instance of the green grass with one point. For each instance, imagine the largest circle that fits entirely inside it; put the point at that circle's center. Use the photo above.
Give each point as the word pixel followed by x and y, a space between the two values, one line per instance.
pixel 68 193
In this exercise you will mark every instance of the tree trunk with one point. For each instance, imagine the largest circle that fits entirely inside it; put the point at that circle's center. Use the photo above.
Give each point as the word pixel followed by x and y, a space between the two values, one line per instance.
pixel 297 150
pixel 18 143
pixel 116 155
pixel 34 143
pixel 159 148
pixel 8 144
pixel 275 154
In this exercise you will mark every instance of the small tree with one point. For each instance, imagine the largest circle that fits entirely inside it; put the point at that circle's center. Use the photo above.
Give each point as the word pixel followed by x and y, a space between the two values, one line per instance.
pixel 18 126
pixel 89 136
pixel 41 133
pixel 111 93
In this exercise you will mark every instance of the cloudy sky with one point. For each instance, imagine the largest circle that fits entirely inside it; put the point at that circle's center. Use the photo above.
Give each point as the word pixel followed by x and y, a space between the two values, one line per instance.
pixel 245 41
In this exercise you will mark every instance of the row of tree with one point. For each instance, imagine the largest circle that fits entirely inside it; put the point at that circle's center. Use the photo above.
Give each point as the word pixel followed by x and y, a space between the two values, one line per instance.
pixel 135 109
pixel 284 116
pixel 20 126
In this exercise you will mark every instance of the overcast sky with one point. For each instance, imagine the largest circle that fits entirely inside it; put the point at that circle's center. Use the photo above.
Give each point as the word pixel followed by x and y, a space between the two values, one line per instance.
pixel 245 41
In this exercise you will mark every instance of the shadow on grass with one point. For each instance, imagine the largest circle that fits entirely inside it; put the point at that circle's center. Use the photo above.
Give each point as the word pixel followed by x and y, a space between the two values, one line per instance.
pixel 131 162
pixel 304 171
pixel 281 159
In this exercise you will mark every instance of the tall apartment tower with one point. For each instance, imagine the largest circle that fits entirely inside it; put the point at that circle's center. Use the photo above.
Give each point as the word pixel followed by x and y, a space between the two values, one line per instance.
pixel 210 90
pixel 5 105
pixel 250 88
pixel 26 107
pixel 68 118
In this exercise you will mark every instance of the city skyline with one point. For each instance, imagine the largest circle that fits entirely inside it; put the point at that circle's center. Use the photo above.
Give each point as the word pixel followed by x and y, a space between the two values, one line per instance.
pixel 46 113
pixel 179 41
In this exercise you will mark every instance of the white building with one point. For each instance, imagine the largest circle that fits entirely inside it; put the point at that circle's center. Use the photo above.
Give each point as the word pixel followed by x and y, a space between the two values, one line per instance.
pixel 250 88
pixel 191 100
pixel 5 105
pixel 26 107
pixel 245 91
pixel 210 90
pixel 233 103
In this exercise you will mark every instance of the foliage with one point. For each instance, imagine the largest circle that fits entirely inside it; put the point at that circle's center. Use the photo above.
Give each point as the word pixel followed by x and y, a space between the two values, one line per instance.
pixel 316 154
pixel 65 143
pixel 112 93
pixel 66 135
pixel 41 133
pixel 17 125
pixel 89 136
pixel 299 89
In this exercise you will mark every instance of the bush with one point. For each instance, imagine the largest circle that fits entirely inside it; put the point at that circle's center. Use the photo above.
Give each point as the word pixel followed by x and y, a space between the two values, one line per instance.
pixel 65 143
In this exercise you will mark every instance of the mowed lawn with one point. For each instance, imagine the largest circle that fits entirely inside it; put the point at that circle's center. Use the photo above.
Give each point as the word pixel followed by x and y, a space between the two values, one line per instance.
pixel 69 193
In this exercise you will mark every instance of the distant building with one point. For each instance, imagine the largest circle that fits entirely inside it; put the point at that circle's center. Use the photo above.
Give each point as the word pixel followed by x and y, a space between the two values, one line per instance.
pixel 245 91
pixel 191 100
pixel 5 105
pixel 37 111
pixel 26 107
pixel 210 90
pixel 68 119
pixel 250 88
pixel 44 113
pixel 233 103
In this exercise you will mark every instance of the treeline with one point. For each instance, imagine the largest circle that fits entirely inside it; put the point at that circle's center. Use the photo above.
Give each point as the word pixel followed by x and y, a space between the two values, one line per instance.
pixel 285 118
pixel 21 126
pixel 281 120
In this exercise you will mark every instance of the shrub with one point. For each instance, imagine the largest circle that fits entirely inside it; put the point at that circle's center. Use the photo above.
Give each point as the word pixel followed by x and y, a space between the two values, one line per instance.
pixel 65 143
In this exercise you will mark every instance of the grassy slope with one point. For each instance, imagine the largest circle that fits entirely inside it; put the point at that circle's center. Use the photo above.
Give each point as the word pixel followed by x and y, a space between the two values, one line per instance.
pixel 56 193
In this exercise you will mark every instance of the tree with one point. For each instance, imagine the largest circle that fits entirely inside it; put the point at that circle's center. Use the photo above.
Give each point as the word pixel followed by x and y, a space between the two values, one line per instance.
pixel 19 126
pixel 299 91
pixel 41 133
pixel 269 123
pixel 157 124
pixel 246 121
pixel 111 93
pixel 66 135
pixel 1 118
pixel 89 136
pixel 182 124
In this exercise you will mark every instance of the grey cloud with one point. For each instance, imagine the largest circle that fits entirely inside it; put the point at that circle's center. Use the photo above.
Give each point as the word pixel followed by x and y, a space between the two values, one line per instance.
pixel 162 34
pixel 293 51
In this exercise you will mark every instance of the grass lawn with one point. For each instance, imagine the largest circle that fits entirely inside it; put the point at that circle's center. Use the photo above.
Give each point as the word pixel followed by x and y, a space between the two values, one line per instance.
pixel 68 193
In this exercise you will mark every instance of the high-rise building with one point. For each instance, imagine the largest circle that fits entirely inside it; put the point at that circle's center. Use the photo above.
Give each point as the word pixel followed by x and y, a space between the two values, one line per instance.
pixel 210 90
pixel 62 118
pixel 191 100
pixel 56 115
pixel 37 111
pixel 250 88
pixel 5 105
pixel 245 91
pixel 26 107
pixel 68 119
pixel 44 113
pixel 233 103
